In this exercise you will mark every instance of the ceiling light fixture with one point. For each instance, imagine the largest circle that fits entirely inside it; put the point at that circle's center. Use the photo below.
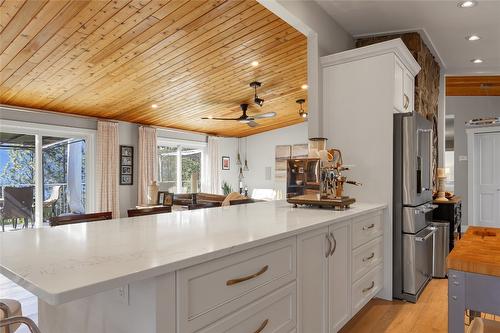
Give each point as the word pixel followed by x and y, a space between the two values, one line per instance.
pixel 304 86
pixel 154 106
pixel 302 112
pixel 256 99
pixel 255 63
pixel 473 37
pixel 477 61
pixel 467 4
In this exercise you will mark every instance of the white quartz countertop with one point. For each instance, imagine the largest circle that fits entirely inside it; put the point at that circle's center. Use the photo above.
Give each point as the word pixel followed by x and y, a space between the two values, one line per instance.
pixel 65 263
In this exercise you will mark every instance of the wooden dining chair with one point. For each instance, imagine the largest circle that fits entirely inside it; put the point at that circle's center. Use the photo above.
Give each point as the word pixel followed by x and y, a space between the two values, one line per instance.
pixel 149 211
pixel 79 218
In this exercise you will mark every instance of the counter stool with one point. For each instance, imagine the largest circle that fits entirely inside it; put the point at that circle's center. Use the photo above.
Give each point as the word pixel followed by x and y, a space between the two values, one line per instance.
pixel 481 325
pixel 9 308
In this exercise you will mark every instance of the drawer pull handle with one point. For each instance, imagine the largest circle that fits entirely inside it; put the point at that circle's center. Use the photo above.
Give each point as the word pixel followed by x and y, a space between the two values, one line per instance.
pixel 369 288
pixel 370 257
pixel 329 246
pixel 334 244
pixel 406 101
pixel 246 278
pixel 366 227
pixel 262 326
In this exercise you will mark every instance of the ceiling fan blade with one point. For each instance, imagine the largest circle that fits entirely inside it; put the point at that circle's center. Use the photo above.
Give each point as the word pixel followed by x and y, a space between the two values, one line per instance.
pixel 252 123
pixel 264 115
pixel 215 118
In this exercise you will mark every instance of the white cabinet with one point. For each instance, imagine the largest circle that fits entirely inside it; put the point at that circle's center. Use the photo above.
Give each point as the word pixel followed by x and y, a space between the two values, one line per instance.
pixel 339 277
pixel 404 83
pixel 324 278
pixel 313 252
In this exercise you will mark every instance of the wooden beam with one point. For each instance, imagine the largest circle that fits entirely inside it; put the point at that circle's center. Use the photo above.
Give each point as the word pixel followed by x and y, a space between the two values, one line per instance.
pixel 473 85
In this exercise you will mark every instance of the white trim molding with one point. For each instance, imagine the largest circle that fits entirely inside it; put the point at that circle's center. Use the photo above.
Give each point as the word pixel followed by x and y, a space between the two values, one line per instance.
pixel 395 46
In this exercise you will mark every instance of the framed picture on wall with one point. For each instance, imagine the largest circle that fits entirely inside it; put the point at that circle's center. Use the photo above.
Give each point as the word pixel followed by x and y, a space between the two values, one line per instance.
pixel 126 165
pixel 226 163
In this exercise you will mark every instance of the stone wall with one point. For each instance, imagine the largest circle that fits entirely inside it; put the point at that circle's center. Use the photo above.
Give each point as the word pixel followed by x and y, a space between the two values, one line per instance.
pixel 426 82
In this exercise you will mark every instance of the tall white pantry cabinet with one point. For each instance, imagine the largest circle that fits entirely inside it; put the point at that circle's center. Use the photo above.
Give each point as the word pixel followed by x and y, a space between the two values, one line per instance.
pixel 362 89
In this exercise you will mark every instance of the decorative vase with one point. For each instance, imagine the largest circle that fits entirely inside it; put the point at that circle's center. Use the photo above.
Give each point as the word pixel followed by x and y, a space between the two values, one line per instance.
pixel 153 193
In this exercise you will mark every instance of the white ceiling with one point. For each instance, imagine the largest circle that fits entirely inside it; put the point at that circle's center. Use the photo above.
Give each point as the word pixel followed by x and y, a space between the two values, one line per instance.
pixel 442 24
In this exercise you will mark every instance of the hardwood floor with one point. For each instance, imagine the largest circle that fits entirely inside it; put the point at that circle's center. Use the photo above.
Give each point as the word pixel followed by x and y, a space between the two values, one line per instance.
pixel 430 314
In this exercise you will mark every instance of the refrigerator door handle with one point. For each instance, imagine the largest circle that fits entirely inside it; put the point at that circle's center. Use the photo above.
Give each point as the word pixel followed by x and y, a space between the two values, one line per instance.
pixel 423 239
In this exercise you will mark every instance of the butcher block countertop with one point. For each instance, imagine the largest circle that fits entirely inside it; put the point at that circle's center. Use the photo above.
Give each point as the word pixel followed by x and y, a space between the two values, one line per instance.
pixel 477 252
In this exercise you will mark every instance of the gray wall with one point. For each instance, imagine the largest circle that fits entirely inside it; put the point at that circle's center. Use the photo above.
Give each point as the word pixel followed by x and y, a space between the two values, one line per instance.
pixel 128 135
pixel 465 108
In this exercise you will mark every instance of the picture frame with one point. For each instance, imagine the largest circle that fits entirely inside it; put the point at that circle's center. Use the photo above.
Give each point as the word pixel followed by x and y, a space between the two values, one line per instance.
pixel 165 198
pixel 226 163
pixel 126 165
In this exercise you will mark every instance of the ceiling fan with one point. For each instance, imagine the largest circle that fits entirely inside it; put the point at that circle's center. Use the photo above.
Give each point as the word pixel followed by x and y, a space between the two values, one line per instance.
pixel 246 119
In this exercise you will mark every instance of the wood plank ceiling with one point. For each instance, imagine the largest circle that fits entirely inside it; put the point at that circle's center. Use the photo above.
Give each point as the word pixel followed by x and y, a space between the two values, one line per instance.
pixel 473 86
pixel 115 59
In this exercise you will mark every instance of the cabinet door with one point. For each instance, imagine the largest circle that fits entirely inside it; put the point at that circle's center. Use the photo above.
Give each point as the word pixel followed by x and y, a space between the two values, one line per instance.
pixel 312 280
pixel 408 91
pixel 399 71
pixel 339 277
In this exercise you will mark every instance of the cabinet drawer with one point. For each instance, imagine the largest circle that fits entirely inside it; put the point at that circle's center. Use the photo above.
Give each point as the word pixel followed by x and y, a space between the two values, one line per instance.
pixel 366 228
pixel 217 287
pixel 366 257
pixel 366 288
pixel 275 313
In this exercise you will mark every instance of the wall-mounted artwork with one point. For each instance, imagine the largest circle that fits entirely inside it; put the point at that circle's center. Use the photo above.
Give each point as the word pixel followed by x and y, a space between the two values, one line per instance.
pixel 300 151
pixel 126 165
pixel 226 163
pixel 283 153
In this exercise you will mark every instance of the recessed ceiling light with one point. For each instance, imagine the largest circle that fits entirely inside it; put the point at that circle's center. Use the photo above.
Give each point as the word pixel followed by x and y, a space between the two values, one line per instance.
pixel 304 86
pixel 473 37
pixel 467 4
pixel 477 61
pixel 255 63
pixel 154 106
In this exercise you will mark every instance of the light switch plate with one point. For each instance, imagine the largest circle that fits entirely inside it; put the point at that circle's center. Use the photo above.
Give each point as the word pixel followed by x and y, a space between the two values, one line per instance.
pixel 462 158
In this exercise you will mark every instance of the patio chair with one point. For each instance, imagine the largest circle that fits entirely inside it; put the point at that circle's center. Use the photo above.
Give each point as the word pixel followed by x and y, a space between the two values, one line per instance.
pixel 50 204
pixel 18 204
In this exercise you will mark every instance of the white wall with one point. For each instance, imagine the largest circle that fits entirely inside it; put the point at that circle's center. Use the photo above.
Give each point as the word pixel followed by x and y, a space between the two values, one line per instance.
pixel 127 132
pixel 465 108
pixel 324 36
pixel 229 147
pixel 261 154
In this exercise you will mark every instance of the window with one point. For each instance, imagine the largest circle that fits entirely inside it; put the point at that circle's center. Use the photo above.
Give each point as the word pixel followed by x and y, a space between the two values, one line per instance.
pixel 49 164
pixel 180 166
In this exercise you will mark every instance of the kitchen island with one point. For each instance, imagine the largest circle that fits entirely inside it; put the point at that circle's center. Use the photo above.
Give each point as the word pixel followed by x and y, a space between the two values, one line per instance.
pixel 474 276
pixel 209 270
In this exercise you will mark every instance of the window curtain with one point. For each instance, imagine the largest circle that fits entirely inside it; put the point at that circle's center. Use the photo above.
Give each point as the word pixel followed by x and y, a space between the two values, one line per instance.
pixel 75 186
pixel 211 183
pixel 107 165
pixel 148 162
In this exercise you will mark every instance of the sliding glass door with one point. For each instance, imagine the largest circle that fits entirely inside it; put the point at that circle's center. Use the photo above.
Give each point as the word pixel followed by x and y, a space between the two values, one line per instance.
pixel 180 166
pixel 47 168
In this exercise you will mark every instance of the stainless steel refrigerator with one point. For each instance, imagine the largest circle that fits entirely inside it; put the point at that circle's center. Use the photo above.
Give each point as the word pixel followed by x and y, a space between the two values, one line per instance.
pixel 412 206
